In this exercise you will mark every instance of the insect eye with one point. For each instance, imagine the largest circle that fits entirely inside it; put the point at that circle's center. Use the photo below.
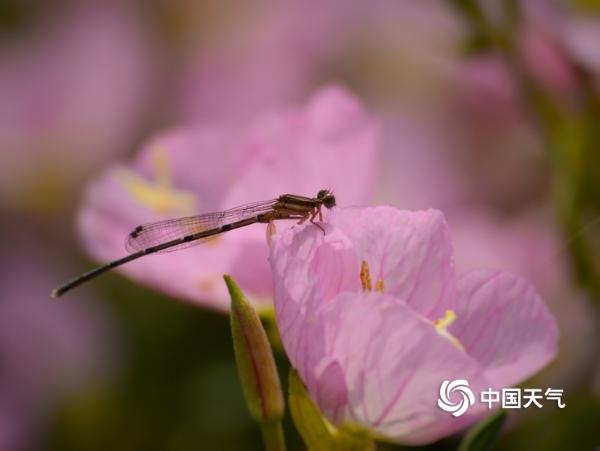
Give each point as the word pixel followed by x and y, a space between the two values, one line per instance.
pixel 329 201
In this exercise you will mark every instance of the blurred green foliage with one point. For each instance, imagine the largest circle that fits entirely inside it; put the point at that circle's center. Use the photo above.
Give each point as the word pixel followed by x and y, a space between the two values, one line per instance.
pixel 177 389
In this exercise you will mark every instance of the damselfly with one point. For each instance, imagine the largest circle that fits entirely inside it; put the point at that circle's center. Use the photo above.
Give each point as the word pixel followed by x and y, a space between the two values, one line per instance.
pixel 174 234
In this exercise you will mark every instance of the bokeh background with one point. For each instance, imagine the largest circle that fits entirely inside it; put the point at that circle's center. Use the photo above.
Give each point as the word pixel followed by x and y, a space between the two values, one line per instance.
pixel 490 111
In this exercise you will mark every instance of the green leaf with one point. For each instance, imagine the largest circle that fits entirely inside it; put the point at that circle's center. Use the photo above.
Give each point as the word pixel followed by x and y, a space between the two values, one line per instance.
pixel 483 436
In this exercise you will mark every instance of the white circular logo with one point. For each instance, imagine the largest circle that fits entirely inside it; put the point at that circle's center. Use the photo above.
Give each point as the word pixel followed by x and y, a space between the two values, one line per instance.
pixel 461 386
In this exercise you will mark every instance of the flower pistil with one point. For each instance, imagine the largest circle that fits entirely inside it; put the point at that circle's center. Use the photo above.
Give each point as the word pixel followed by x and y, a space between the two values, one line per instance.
pixel 442 324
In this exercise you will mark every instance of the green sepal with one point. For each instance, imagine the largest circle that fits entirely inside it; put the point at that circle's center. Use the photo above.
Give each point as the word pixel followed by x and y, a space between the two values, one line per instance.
pixel 316 431
pixel 311 425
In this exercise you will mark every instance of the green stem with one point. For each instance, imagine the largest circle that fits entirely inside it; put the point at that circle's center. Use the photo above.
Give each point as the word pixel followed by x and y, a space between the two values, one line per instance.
pixel 272 434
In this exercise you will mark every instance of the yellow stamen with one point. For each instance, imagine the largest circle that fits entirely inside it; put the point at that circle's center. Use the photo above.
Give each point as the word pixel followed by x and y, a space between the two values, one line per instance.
pixel 379 286
pixel 160 195
pixel 365 277
pixel 442 324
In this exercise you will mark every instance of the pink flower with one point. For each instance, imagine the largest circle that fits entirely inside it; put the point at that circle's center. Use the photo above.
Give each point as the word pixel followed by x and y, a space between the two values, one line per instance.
pixel 329 143
pixel 72 97
pixel 374 318
pixel 581 39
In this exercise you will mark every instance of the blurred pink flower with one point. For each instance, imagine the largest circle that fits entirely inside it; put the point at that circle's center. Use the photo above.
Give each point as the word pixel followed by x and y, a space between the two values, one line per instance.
pixel 418 172
pixel 527 244
pixel 539 35
pixel 374 318
pixel 492 144
pixel 542 48
pixel 72 97
pixel 553 40
pixel 329 143
pixel 48 350
pixel 582 36
pixel 263 59
pixel 278 51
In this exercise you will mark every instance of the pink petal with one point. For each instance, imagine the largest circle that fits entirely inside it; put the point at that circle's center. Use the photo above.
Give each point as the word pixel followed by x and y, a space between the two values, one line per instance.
pixel 331 143
pixel 194 274
pixel 309 268
pixel 410 251
pixel 370 360
pixel 504 325
pixel 202 159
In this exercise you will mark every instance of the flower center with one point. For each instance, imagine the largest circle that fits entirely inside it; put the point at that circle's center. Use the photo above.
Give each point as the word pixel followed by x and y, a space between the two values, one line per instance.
pixel 442 324
pixel 365 279
pixel 158 195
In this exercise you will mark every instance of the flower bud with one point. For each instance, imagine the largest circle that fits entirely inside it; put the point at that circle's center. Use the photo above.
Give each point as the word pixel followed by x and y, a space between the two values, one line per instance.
pixel 256 366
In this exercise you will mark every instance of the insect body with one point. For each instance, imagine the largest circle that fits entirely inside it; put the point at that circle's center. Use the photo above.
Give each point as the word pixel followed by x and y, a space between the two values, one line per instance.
pixel 174 234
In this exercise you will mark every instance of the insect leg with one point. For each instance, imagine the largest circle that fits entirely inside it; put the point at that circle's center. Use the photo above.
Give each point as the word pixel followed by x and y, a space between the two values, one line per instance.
pixel 316 213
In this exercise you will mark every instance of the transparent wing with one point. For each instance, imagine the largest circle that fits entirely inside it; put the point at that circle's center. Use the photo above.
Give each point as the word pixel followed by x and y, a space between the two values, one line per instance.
pixel 155 233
